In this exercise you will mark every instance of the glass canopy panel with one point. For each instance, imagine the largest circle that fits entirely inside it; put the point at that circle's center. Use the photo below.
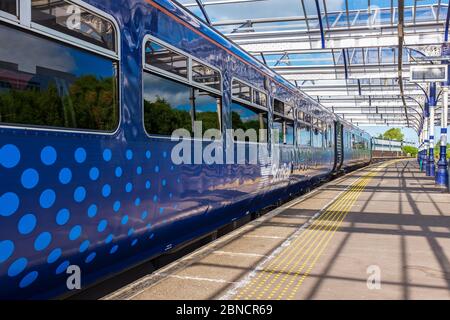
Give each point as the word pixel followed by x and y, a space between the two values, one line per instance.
pixel 194 8
pixel 357 57
pixel 312 59
pixel 332 17
pixel 298 25
pixel 384 17
pixel 365 18
pixel 253 10
pixel 346 20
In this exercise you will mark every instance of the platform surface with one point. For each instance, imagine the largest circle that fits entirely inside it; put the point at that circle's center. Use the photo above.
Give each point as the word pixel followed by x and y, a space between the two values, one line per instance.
pixel 382 232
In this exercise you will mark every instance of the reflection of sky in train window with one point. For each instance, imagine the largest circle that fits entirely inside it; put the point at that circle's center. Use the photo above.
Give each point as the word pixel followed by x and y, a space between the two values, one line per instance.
pixel 177 95
pixel 304 135
pixel 246 118
pixel 48 54
pixel 289 133
pixel 207 109
pixel 278 126
pixel 167 105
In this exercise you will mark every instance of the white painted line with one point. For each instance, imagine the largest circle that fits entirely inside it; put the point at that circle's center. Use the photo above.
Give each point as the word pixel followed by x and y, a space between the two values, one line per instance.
pixel 228 253
pixel 165 275
pixel 262 237
pixel 293 216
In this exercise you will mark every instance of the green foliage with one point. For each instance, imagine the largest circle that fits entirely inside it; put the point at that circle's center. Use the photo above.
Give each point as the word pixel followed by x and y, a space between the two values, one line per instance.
pixel 437 150
pixel 413 151
pixel 394 134
pixel 89 103
pixel 160 118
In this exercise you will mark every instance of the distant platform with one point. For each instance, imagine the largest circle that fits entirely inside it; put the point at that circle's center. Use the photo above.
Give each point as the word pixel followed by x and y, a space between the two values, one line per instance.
pixel 382 232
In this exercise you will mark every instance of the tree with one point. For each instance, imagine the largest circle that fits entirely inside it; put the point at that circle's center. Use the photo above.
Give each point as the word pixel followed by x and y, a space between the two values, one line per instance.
pixel 437 150
pixel 394 134
pixel 412 151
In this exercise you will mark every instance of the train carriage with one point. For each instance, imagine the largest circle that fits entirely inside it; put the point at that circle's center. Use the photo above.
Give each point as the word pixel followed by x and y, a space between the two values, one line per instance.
pixel 90 95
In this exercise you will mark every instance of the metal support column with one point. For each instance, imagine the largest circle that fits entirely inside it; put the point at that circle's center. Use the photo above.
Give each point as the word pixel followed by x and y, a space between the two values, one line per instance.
pixel 442 172
pixel 425 133
pixel 431 165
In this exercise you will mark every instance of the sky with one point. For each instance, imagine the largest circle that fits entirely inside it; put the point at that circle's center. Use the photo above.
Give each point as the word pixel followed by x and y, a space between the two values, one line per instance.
pixel 410 134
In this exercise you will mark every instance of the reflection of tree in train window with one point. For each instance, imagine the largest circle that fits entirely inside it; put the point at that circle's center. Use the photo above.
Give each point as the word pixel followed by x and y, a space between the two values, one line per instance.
pixel 58 86
pixel 168 106
pixel 246 118
pixel 88 104
pixel 207 109
pixel 161 118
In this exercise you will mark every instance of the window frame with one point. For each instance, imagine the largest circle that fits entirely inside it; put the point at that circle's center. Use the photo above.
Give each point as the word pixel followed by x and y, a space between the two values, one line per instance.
pixel 9 16
pixel 252 88
pixel 250 107
pixel 23 24
pixel 174 77
pixel 23 20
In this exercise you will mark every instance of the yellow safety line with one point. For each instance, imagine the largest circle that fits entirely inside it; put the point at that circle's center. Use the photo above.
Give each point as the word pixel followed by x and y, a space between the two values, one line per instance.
pixel 339 209
pixel 311 250
pixel 305 275
pixel 330 213
pixel 316 235
pixel 327 238
pixel 316 224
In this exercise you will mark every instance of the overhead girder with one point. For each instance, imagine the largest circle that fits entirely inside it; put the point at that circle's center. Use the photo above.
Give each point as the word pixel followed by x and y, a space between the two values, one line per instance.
pixel 342 39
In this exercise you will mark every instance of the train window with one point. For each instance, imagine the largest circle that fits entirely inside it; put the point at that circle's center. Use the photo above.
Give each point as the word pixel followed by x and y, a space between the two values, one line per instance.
pixel 167 105
pixel 46 83
pixel 170 105
pixel 317 138
pixel 205 75
pixel 289 111
pixel 278 106
pixel 289 132
pixel 304 135
pixel 246 118
pixel 329 136
pixel 278 126
pixel 165 59
pixel 259 98
pixel 308 118
pixel 9 6
pixel 69 18
pixel 208 108
pixel 242 91
pixel 301 116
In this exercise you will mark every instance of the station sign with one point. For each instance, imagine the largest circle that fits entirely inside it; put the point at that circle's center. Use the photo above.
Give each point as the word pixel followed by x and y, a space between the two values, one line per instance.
pixel 429 73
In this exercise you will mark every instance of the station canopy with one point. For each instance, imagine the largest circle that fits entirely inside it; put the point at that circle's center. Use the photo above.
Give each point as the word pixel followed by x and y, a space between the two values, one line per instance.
pixel 353 56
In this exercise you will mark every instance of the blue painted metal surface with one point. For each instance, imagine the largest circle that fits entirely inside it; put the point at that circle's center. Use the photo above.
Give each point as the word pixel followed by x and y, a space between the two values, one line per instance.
pixel 106 203
pixel 431 166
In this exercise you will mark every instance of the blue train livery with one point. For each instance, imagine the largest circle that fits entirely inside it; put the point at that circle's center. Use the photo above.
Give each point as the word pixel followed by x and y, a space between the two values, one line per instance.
pixel 90 94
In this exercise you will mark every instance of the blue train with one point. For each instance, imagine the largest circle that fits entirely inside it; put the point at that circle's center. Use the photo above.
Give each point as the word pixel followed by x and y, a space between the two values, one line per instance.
pixel 90 92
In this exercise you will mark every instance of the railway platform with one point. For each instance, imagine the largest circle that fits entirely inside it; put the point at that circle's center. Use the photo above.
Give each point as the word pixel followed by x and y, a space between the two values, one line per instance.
pixel 381 232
